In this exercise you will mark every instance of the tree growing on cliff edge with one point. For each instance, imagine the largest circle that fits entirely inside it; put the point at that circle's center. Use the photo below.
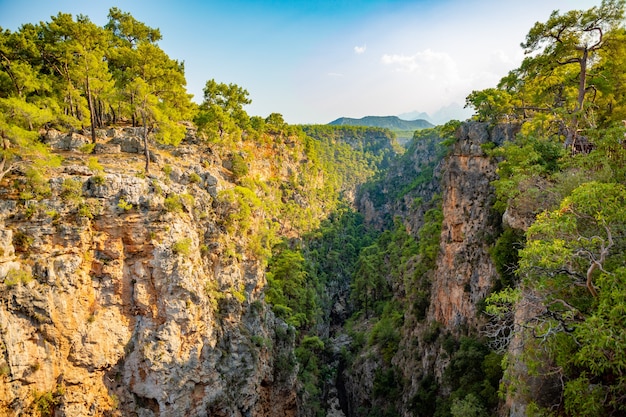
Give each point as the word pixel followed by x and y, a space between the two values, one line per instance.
pixel 222 111
pixel 572 38
pixel 565 75
pixel 574 299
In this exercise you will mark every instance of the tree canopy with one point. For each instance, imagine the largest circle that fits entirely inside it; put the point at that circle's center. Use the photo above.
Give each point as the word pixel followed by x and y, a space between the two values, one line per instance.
pixel 70 73
pixel 564 174
pixel 569 59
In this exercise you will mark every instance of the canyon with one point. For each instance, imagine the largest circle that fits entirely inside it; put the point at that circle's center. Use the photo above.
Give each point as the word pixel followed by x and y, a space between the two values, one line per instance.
pixel 136 296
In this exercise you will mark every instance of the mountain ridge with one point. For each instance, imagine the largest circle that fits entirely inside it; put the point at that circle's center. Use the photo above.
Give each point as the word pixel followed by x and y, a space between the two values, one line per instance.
pixel 389 122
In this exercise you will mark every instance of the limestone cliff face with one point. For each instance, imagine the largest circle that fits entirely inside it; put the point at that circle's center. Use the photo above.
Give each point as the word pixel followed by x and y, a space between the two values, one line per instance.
pixel 407 189
pixel 465 272
pixel 118 295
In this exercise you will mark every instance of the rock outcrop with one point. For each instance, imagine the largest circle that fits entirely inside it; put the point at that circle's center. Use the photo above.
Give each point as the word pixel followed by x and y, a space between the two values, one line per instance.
pixel 118 295
pixel 465 272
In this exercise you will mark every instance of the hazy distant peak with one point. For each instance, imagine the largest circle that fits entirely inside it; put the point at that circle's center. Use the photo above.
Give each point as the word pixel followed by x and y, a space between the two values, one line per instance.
pixel 389 122
pixel 414 115
pixel 452 111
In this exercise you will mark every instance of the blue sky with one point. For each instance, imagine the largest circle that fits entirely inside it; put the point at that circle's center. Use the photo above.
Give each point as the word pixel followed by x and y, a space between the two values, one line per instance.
pixel 314 61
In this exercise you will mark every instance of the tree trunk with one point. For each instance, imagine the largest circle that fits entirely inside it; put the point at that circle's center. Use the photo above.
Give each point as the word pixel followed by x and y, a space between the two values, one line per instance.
pixel 582 80
pixel 92 111
pixel 146 151
pixel 113 115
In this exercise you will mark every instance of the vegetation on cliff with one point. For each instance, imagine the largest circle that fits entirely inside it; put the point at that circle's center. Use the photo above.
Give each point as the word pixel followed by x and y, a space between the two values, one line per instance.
pixel 352 290
pixel 565 175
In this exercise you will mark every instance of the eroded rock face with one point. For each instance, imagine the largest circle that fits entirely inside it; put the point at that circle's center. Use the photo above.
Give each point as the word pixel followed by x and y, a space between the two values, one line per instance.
pixel 111 304
pixel 465 272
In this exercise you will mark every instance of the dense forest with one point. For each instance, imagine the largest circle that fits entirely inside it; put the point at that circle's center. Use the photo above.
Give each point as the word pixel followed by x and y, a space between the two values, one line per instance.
pixel 564 175
pixel 347 224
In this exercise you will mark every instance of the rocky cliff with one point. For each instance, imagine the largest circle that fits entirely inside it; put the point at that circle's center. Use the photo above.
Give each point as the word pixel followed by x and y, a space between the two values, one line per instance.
pixel 122 294
pixel 465 273
pixel 132 293
pixel 439 301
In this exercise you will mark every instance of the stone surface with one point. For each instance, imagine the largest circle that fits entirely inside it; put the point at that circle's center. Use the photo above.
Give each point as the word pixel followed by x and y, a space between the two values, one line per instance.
pixel 108 319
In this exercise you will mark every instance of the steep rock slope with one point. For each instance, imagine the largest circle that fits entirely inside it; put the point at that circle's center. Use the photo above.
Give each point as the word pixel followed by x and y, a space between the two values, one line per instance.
pixel 465 272
pixel 130 298
pixel 435 333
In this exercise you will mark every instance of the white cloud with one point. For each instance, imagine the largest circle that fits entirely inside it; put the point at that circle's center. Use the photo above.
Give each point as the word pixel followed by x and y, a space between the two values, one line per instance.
pixel 429 64
pixel 335 74
pixel 360 49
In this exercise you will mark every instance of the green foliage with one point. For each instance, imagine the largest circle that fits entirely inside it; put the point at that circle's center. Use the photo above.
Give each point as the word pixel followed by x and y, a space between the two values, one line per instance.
pixel 470 406
pixel 473 375
pixel 167 169
pixel 386 332
pixel 505 255
pixel 68 73
pixel 239 205
pixel 491 104
pixel 17 276
pixel 221 113
pixel 71 190
pixel 568 57
pixel 94 165
pixel 87 148
pixel 288 287
pixel 352 154
pixel 85 210
pixel 411 176
pixel 194 178
pixel 387 385
pixel 98 179
pixel 173 204
pixel 46 402
pixel 36 187
pixel 424 401
pixel 123 205
pixel 182 247
pixel 526 164
pixel 239 166
pixel 22 241
pixel 573 268
pixel 429 236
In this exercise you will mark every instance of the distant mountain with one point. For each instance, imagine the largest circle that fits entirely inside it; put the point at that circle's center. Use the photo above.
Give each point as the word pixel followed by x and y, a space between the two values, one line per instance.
pixel 414 115
pixel 389 122
pixel 453 111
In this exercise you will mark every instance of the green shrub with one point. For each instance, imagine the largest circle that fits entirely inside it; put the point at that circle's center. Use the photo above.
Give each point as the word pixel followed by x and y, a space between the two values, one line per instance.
pixel 194 178
pixel 71 190
pixel 86 210
pixel 37 187
pixel 505 255
pixel 182 247
pixel 31 210
pixel 22 241
pixel 98 179
pixel 188 200
pixel 46 402
pixel 239 166
pixel 87 148
pixel 94 164
pixel 124 205
pixel 17 276
pixel 173 204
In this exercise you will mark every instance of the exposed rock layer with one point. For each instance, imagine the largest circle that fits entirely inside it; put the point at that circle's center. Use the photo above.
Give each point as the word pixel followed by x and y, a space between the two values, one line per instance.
pixel 123 307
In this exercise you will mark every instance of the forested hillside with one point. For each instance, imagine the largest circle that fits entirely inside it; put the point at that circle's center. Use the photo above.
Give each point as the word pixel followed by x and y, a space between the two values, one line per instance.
pixel 163 257
pixel 404 129
pixel 560 311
